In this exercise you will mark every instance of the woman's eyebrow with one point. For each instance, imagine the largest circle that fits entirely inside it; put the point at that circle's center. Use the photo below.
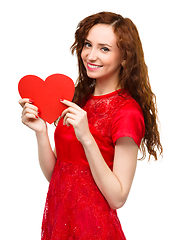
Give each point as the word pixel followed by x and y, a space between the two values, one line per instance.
pixel 101 44
pixel 104 44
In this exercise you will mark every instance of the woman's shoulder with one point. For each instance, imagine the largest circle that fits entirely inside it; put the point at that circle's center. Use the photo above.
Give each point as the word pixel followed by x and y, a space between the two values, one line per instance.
pixel 129 121
pixel 131 105
pixel 129 109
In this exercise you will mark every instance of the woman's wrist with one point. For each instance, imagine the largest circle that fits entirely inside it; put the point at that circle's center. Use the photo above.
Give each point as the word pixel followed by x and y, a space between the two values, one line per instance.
pixel 42 131
pixel 88 140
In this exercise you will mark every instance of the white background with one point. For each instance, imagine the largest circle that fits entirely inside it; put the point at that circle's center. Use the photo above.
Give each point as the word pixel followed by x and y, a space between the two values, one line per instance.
pixel 35 37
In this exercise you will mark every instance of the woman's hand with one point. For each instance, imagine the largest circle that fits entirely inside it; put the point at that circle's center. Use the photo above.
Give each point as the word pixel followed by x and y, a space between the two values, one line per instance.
pixel 30 116
pixel 77 117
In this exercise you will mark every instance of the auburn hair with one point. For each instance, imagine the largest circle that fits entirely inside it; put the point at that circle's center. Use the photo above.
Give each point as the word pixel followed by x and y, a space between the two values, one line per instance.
pixel 133 75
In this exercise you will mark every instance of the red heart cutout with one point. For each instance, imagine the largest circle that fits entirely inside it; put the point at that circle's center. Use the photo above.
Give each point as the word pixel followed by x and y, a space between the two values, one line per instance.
pixel 47 94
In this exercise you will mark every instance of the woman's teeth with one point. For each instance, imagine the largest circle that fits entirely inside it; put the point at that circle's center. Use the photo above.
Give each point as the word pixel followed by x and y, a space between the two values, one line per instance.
pixel 94 66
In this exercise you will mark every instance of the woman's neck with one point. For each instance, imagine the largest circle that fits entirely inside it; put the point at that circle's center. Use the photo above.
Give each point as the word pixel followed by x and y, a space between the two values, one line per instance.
pixel 104 88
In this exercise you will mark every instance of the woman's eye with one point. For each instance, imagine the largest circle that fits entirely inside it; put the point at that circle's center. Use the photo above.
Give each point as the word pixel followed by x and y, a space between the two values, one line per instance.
pixel 105 49
pixel 86 44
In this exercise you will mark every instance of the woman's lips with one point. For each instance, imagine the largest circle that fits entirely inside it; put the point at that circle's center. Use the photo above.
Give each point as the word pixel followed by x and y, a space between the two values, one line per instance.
pixel 91 66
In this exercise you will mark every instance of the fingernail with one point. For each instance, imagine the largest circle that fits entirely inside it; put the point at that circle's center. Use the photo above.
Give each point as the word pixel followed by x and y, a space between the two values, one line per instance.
pixel 31 101
pixel 61 99
pixel 36 117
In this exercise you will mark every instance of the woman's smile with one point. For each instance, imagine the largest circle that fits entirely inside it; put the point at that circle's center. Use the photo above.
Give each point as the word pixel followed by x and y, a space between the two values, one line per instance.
pixel 93 67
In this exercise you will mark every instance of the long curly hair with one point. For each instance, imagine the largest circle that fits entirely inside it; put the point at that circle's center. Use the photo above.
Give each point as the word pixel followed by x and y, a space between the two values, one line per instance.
pixel 133 75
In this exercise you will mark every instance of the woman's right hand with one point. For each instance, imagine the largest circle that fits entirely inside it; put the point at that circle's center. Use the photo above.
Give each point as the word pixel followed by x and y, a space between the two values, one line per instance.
pixel 30 116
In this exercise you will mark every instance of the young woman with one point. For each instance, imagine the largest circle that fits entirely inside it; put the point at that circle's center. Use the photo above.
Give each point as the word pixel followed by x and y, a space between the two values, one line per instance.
pixel 98 136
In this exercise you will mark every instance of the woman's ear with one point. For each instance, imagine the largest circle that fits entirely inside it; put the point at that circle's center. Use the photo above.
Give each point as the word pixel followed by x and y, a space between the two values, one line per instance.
pixel 123 63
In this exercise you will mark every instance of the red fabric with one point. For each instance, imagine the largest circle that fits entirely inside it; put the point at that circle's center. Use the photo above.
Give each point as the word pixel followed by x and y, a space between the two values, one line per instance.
pixel 75 208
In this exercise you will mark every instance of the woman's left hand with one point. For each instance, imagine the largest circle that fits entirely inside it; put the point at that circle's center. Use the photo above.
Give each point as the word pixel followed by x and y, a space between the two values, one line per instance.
pixel 77 117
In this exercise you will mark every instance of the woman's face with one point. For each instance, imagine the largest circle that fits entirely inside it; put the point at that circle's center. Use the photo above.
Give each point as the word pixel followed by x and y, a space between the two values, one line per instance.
pixel 101 56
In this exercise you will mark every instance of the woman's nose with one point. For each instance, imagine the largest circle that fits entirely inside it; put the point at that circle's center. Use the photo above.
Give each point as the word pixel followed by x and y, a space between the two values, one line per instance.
pixel 92 55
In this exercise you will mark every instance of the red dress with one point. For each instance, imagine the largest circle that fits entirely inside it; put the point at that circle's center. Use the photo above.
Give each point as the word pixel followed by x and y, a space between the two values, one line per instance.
pixel 75 208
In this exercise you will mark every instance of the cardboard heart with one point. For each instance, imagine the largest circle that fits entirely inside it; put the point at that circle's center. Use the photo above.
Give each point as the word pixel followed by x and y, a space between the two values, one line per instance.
pixel 47 94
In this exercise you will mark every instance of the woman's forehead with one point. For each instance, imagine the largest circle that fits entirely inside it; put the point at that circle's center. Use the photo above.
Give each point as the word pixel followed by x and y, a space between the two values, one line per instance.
pixel 102 34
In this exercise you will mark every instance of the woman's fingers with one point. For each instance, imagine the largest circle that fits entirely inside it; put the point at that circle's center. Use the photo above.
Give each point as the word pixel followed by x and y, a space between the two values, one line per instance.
pixel 77 117
pixel 30 109
pixel 70 104
pixel 30 116
pixel 30 106
pixel 67 117
pixel 72 108
pixel 25 100
pixel 72 114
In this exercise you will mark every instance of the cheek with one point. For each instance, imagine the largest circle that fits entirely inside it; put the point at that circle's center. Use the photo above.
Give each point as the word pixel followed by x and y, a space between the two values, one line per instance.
pixel 110 61
pixel 116 61
pixel 83 54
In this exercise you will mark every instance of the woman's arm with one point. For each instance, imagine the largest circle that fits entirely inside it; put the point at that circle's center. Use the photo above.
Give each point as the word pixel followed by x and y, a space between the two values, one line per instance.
pixel 30 118
pixel 114 185
pixel 47 158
